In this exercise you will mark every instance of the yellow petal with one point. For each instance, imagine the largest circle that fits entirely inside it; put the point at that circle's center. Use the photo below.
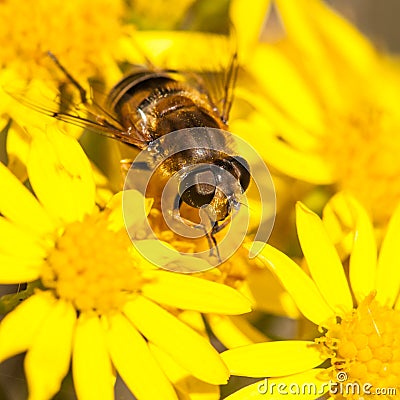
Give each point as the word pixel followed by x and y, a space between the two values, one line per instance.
pixel 134 362
pixel 298 284
pixel 323 261
pixel 288 89
pixel 17 269
pixel 192 293
pixel 124 206
pixel 275 122
pixel 234 331
pixel 306 385
pixel 182 343
pixel 168 49
pixel 193 319
pixel 269 295
pixel 18 141
pixel 91 364
pixel 273 358
pixel 388 270
pixel 14 240
pixel 61 176
pixel 186 385
pixel 307 166
pixel 339 222
pixel 165 256
pixel 324 35
pixel 19 327
pixel 20 206
pixel 103 188
pixel 363 256
pixel 47 361
pixel 247 33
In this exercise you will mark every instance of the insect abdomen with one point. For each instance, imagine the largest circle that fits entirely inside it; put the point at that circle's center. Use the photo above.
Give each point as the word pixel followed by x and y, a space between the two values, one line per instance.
pixel 154 104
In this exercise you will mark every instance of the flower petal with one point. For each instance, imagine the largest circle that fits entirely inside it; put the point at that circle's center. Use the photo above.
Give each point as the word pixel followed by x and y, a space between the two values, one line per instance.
pixel 276 122
pixel 183 344
pixel 322 259
pixel 169 49
pixel 248 34
pixel 61 176
pixel 234 331
pixel 322 35
pixel 305 385
pixel 339 222
pixel 270 297
pixel 192 293
pixel 19 327
pixel 124 206
pixel 20 206
pixel 162 254
pixel 298 284
pixel 91 364
pixel 186 385
pixel 47 361
pixel 14 239
pixel 18 141
pixel 288 89
pixel 17 269
pixel 273 358
pixel 388 270
pixel 304 165
pixel 134 362
pixel 363 256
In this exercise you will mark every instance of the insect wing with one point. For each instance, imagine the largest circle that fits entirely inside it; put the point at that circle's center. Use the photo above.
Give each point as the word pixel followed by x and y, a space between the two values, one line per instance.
pixel 63 104
pixel 211 68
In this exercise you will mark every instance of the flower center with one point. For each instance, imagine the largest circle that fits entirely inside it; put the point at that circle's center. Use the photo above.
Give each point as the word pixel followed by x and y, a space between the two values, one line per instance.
pixel 367 161
pixel 365 344
pixel 92 28
pixel 91 266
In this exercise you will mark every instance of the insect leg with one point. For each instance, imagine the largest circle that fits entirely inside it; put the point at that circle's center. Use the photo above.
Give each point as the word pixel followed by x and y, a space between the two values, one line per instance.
pixel 82 91
pixel 218 228
pixel 212 244
pixel 229 85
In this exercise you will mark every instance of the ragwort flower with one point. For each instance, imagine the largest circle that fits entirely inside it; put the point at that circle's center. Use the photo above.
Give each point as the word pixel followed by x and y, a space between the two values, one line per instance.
pixel 359 317
pixel 82 35
pixel 97 300
pixel 326 103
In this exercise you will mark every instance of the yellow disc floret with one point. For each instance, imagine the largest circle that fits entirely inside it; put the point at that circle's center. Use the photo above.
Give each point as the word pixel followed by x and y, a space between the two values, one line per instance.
pixel 78 33
pixel 365 345
pixel 366 159
pixel 91 266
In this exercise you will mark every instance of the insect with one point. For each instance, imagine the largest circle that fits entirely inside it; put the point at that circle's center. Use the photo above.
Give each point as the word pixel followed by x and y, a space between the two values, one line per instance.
pixel 149 103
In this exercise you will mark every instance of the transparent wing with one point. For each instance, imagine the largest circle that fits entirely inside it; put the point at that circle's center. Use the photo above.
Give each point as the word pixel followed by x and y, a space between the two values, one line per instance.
pixel 66 103
pixel 211 66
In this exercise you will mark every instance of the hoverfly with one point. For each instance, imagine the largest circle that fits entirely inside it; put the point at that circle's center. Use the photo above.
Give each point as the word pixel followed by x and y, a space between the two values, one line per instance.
pixel 149 103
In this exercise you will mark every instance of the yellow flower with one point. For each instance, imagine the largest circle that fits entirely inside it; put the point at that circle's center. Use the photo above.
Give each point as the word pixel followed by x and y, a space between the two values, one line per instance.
pixel 359 318
pixel 96 300
pixel 326 104
pixel 158 14
pixel 169 49
pixel 84 37
pixel 82 34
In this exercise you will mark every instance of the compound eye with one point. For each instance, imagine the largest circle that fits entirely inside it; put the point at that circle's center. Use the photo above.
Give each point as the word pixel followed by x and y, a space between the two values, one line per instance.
pixel 239 168
pixel 242 170
pixel 197 189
